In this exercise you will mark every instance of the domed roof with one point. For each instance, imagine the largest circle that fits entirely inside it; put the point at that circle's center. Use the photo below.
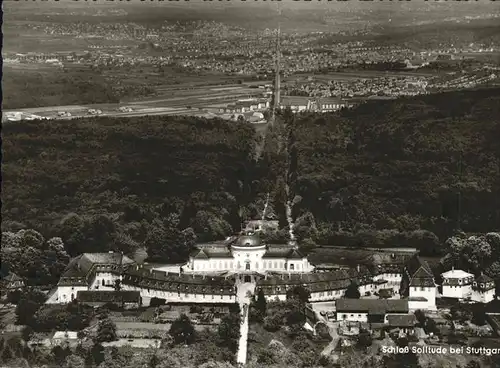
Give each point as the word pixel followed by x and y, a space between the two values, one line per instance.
pixel 248 240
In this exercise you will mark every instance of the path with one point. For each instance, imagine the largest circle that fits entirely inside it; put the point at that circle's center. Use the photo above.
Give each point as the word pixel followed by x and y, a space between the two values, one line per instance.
pixel 244 302
pixel 333 328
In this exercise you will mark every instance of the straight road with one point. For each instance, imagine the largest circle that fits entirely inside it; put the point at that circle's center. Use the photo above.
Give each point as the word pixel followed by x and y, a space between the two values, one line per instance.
pixel 244 289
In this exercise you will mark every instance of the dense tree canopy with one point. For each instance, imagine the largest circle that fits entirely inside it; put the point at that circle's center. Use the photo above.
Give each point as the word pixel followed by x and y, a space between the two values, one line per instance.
pixel 104 183
pixel 383 174
pixel 27 254
pixel 390 173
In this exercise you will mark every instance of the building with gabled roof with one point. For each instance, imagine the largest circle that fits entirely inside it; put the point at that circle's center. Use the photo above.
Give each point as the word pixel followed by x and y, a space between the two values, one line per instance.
pixel 12 282
pixel 483 289
pixel 90 271
pixel 418 285
pixel 369 310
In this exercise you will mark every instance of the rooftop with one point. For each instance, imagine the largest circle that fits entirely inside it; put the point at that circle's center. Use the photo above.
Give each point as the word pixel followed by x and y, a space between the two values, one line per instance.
pixel 372 306
pixel 456 274
pixel 248 240
pixel 111 296
pixel 401 320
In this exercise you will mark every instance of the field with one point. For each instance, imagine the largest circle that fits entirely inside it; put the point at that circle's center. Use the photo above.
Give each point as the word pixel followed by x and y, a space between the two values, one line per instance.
pixel 354 75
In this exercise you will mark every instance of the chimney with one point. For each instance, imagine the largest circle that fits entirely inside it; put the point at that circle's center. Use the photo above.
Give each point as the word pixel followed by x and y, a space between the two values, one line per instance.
pixel 357 268
pixel 453 268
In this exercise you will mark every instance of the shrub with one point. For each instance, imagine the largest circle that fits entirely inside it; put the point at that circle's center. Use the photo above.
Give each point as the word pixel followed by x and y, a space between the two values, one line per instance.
pixel 156 302
pixel 272 323
pixel 323 331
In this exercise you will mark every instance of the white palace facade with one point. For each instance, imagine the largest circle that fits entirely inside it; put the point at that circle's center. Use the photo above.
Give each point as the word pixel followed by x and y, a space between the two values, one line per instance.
pixel 215 270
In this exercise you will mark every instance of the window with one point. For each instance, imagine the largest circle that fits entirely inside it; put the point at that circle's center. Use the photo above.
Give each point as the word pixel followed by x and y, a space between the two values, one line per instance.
pixel 103 284
pixel 247 267
pixel 422 289
pixel 292 267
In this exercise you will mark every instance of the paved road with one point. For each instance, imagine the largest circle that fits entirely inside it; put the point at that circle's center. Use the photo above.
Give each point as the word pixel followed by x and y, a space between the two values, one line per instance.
pixel 333 328
pixel 244 302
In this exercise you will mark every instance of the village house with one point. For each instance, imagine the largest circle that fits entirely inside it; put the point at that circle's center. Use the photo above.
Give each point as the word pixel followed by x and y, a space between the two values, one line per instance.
pixel 370 310
pixel 404 324
pixel 331 104
pixel 12 282
pixel 418 285
pixel 296 103
pixel 247 105
pixel 457 284
pixel 483 289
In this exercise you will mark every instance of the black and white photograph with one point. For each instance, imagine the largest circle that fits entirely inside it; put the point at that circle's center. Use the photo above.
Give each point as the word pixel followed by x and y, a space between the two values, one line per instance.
pixel 250 184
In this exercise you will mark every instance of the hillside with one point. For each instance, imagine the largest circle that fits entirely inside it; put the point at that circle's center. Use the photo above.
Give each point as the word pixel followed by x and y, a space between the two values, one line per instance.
pixel 384 174
pixel 395 165
pixel 131 170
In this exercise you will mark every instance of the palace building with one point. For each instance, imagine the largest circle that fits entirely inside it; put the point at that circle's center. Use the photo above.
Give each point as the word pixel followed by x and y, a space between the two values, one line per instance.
pixel 214 271
pixel 247 256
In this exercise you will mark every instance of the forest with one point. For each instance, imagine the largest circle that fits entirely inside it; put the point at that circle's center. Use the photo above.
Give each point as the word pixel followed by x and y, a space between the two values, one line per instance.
pixel 409 172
